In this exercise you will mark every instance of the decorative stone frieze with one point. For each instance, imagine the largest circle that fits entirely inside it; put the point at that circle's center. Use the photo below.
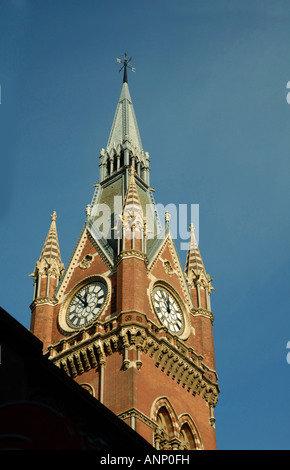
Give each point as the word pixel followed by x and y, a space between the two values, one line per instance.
pixel 82 352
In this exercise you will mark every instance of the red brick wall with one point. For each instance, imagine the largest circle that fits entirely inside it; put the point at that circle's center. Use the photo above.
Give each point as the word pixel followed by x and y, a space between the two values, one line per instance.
pixel 131 285
pixel 182 401
pixel 42 323
pixel 204 339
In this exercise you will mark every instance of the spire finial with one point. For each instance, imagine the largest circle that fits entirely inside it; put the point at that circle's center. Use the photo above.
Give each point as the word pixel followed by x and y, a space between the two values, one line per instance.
pixel 167 217
pixel 53 216
pixel 193 243
pixel 126 63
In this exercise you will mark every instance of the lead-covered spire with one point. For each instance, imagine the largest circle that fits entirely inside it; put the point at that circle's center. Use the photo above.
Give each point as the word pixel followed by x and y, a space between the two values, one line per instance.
pixel 124 147
pixel 125 127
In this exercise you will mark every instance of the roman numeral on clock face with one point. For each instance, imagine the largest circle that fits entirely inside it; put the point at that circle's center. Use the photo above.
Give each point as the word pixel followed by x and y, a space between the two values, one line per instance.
pixel 86 305
pixel 168 310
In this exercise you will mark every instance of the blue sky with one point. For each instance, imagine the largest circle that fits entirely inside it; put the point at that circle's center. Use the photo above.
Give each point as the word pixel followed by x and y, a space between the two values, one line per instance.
pixel 209 94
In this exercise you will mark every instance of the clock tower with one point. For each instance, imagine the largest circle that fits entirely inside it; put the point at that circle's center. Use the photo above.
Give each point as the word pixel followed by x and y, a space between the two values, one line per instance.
pixel 123 319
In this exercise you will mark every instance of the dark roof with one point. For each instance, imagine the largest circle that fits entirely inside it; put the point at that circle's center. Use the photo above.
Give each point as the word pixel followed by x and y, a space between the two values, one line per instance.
pixel 42 408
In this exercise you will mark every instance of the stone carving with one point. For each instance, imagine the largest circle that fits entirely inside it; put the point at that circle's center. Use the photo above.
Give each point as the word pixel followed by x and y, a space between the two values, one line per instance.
pixel 168 267
pixel 86 261
pixel 76 355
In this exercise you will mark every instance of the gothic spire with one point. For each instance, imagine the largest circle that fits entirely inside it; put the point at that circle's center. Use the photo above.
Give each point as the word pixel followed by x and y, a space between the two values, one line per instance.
pixel 50 259
pixel 49 268
pixel 132 199
pixel 194 264
pixel 124 147
pixel 50 249
pixel 125 127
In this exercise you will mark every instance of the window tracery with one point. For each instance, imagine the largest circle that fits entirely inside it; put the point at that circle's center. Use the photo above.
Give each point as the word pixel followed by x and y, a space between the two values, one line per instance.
pixel 172 432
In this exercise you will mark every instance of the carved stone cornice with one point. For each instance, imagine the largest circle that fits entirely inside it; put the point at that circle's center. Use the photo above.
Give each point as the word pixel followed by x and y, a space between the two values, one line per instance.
pixel 90 347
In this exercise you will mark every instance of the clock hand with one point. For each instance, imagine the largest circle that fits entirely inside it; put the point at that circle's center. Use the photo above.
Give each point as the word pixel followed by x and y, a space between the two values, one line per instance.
pixel 86 295
pixel 168 304
pixel 81 300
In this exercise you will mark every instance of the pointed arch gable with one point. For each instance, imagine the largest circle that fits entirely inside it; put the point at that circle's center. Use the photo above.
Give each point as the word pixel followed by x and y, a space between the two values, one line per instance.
pixel 174 260
pixel 166 269
pixel 85 239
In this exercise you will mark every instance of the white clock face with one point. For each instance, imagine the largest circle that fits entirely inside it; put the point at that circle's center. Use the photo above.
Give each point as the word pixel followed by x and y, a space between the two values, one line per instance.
pixel 168 310
pixel 86 304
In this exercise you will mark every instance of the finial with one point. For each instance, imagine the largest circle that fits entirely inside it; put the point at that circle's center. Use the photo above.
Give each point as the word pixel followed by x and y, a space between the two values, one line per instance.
pixel 53 216
pixel 132 170
pixel 193 243
pixel 126 63
pixel 167 217
pixel 88 210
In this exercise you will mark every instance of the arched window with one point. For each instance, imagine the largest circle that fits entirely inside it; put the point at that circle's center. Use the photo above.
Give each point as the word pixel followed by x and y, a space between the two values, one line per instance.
pixel 164 419
pixel 186 438
pixel 189 435
pixel 164 429
pixel 142 171
pixel 122 159
pixel 115 163
pixel 173 432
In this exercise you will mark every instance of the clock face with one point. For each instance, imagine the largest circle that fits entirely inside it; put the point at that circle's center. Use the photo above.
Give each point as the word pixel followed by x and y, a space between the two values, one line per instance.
pixel 86 304
pixel 168 310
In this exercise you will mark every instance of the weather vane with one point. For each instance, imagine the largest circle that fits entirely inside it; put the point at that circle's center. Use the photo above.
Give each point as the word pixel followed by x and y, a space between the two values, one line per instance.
pixel 126 63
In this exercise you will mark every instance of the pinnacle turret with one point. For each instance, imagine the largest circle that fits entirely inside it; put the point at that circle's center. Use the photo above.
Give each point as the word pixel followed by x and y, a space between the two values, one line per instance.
pixel 50 250
pixel 194 264
pixel 132 213
pixel 197 278
pixel 49 265
pixel 132 200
